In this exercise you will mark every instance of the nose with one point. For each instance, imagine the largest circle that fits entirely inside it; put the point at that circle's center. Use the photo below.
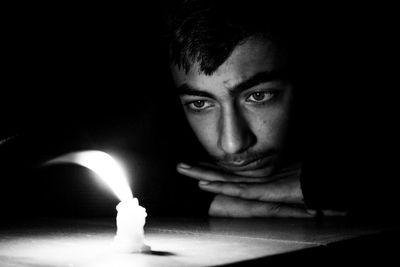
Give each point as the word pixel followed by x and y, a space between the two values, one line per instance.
pixel 235 135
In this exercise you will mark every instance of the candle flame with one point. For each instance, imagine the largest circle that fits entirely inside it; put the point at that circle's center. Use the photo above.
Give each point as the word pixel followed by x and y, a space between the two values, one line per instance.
pixel 106 167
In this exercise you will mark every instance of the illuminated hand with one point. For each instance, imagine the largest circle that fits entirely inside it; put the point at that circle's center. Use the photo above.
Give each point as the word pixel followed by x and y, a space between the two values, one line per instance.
pixel 237 196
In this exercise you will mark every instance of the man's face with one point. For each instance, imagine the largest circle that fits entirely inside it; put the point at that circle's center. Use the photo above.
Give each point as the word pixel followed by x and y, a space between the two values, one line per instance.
pixel 240 112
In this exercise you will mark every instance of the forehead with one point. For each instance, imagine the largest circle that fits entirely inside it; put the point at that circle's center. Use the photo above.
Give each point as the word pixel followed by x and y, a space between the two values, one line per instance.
pixel 247 59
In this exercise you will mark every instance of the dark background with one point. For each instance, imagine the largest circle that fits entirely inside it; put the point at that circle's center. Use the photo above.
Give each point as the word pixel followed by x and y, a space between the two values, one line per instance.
pixel 79 78
pixel 97 77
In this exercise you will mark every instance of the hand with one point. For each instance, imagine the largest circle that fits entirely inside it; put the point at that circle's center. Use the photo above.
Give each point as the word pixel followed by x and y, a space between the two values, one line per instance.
pixel 279 195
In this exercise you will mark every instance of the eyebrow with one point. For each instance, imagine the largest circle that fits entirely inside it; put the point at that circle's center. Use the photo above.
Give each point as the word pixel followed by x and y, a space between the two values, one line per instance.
pixel 186 89
pixel 256 79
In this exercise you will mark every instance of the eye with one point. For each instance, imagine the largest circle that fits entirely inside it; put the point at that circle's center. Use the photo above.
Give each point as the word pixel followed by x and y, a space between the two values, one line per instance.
pixel 260 97
pixel 198 105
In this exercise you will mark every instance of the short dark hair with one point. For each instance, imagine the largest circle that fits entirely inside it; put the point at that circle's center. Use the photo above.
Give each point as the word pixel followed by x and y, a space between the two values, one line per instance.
pixel 207 31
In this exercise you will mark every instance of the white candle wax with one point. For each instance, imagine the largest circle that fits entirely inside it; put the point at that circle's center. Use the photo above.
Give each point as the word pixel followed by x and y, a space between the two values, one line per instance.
pixel 131 219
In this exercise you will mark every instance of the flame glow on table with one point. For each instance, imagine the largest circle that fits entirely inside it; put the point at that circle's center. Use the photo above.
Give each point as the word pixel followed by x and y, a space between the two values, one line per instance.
pixel 180 242
pixel 87 243
pixel 131 217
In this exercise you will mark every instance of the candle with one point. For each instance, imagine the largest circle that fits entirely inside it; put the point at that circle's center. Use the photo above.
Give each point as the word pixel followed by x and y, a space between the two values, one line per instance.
pixel 131 217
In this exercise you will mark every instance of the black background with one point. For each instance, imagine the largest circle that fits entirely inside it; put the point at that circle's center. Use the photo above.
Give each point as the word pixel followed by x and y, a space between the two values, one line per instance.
pixel 79 77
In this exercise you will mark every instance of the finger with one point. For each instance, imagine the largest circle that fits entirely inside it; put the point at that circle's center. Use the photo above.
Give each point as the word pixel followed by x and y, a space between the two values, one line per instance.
pixel 290 170
pixel 289 192
pixel 211 174
pixel 228 189
pixel 225 206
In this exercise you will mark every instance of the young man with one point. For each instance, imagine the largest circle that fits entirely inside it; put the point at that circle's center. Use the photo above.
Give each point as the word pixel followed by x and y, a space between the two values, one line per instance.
pixel 232 67
pixel 240 67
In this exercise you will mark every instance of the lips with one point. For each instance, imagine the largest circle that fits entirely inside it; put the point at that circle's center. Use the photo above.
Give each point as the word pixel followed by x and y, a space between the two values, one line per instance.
pixel 246 164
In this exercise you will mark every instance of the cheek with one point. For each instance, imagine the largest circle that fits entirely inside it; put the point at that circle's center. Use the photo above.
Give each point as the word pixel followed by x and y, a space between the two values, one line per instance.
pixel 272 123
pixel 270 127
pixel 205 131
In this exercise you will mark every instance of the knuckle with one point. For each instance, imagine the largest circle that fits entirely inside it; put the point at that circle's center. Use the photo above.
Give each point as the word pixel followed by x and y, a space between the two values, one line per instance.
pixel 245 192
pixel 215 208
pixel 274 209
